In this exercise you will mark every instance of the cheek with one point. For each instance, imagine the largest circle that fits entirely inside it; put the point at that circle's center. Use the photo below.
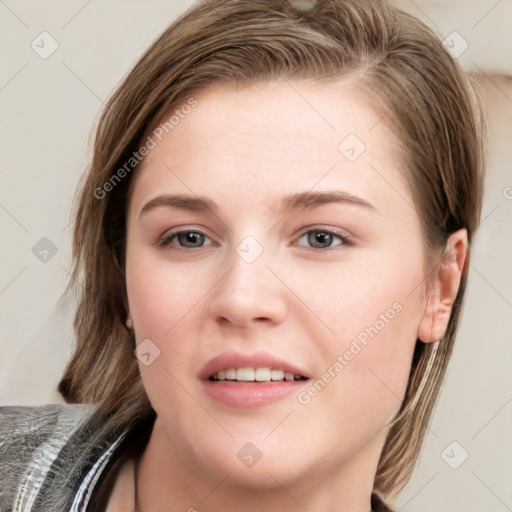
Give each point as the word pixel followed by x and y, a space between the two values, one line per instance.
pixel 161 295
pixel 167 304
pixel 164 304
pixel 361 386
pixel 373 311
pixel 352 297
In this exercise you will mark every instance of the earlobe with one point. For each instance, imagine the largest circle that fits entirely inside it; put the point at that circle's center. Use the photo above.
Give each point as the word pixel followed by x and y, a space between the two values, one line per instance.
pixel 442 288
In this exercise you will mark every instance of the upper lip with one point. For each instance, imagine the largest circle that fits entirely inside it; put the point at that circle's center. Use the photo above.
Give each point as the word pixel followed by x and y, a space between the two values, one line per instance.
pixel 226 360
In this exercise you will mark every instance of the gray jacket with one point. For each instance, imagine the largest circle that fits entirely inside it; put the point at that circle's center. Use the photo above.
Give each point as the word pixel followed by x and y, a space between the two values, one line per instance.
pixel 50 463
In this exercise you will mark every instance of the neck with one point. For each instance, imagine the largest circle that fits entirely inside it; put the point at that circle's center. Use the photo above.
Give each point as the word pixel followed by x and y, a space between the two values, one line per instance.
pixel 163 477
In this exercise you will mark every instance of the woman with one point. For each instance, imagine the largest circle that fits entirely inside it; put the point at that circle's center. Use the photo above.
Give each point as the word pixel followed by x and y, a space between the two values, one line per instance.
pixel 271 250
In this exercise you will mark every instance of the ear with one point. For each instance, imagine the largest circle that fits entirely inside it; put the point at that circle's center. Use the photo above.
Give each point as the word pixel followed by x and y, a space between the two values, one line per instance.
pixel 443 285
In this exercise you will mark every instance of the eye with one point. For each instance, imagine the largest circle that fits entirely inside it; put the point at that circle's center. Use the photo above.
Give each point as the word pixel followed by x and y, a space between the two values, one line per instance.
pixel 322 239
pixel 187 239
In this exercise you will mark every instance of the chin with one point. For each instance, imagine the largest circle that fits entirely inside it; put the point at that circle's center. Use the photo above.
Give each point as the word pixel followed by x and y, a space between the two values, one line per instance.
pixel 253 463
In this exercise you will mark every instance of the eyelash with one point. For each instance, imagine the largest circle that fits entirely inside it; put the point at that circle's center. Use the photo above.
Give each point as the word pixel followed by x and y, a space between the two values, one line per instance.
pixel 345 240
pixel 167 240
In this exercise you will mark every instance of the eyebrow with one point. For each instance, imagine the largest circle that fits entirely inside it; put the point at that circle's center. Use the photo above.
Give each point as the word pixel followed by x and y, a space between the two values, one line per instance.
pixel 309 200
pixel 183 202
pixel 291 202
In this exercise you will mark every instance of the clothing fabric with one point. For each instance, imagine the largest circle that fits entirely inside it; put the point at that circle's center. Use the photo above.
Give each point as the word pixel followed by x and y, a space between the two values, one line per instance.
pixel 49 461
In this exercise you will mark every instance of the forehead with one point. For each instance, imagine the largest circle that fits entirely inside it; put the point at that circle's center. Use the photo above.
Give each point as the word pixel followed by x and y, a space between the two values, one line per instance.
pixel 269 140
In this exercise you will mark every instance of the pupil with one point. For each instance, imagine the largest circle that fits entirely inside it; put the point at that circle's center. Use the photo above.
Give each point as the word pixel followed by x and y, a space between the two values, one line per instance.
pixel 190 239
pixel 320 239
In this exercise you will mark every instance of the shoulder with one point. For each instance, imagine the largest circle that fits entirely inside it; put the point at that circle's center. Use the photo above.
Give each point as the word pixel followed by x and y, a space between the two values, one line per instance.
pixel 29 418
pixel 39 423
pixel 30 440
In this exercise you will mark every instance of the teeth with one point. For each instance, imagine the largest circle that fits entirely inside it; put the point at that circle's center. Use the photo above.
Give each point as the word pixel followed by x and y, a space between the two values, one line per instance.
pixel 263 374
pixel 255 375
pixel 245 374
pixel 277 375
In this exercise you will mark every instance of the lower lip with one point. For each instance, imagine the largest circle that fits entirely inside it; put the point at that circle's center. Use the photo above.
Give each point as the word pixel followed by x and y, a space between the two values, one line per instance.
pixel 248 395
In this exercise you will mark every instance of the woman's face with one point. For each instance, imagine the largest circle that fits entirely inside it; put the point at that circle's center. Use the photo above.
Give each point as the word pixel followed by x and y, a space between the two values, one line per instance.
pixel 271 234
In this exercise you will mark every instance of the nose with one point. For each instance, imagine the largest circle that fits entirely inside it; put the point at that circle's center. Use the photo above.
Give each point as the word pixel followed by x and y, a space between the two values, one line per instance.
pixel 249 294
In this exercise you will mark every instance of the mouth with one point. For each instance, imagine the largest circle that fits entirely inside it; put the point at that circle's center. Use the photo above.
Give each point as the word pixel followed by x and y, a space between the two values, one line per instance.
pixel 254 375
pixel 250 380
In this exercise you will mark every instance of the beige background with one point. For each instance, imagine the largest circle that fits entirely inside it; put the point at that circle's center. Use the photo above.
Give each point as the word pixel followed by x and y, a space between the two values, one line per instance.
pixel 48 107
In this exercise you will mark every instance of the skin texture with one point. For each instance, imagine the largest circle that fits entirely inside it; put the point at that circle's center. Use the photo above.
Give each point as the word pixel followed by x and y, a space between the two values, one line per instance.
pixel 247 150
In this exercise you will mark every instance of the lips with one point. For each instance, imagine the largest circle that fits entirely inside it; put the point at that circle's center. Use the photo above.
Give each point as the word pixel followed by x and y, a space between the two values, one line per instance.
pixel 246 381
pixel 258 367
pixel 254 375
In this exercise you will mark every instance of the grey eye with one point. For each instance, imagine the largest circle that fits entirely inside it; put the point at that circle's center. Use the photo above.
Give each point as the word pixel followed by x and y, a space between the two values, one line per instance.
pixel 187 239
pixel 191 239
pixel 318 239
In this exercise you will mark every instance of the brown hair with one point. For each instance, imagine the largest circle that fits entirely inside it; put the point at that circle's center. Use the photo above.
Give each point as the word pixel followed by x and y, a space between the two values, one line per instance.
pixel 407 74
